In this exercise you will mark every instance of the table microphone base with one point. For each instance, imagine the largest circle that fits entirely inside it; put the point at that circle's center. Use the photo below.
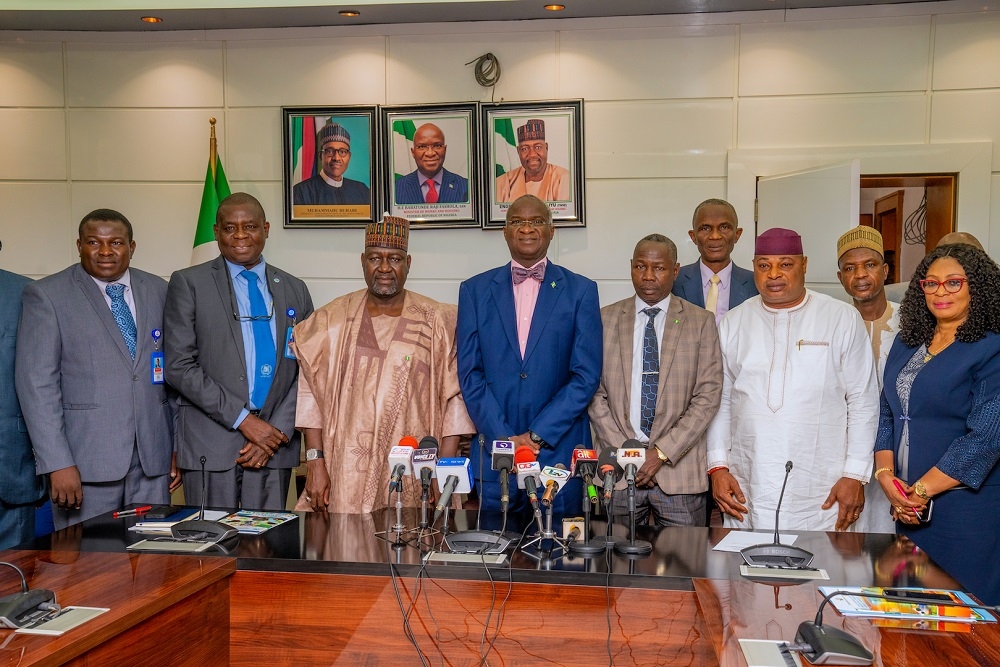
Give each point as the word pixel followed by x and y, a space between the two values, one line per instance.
pixel 832 646
pixel 589 548
pixel 639 548
pixel 606 542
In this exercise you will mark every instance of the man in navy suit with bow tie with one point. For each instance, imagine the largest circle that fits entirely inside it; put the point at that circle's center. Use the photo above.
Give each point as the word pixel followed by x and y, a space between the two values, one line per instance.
pixel 529 354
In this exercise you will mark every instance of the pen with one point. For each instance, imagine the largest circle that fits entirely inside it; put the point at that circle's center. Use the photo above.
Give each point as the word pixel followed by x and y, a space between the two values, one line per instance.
pixel 899 487
pixel 134 512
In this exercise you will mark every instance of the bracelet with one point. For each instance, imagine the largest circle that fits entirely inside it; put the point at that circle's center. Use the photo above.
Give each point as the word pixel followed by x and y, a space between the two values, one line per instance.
pixel 717 468
pixel 880 471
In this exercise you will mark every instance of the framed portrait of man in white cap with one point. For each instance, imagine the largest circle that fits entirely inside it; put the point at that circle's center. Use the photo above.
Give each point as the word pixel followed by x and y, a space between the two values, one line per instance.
pixel 329 166
pixel 535 149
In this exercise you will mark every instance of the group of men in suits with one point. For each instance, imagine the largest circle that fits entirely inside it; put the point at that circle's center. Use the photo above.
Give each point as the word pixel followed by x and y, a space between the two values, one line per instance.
pixel 128 384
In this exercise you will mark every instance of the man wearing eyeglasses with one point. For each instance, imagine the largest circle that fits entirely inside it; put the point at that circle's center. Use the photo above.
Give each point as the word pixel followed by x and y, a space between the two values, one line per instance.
pixel 862 272
pixel 798 385
pixel 430 182
pixel 329 187
pixel 536 176
pixel 226 327
pixel 529 355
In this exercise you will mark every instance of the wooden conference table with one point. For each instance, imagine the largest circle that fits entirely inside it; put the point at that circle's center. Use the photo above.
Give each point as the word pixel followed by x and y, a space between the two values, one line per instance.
pixel 318 591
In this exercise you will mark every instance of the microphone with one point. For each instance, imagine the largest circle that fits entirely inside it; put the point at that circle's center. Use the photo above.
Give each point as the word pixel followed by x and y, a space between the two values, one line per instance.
pixel 399 461
pixel 553 477
pixel 826 645
pixel 19 609
pixel 573 529
pixel 199 529
pixel 584 464
pixel 608 467
pixel 631 455
pixel 503 461
pixel 457 478
pixel 424 461
pixel 528 471
pixel 777 555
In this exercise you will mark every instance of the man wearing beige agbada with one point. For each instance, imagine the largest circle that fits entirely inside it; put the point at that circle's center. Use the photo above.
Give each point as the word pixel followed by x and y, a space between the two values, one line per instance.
pixel 375 365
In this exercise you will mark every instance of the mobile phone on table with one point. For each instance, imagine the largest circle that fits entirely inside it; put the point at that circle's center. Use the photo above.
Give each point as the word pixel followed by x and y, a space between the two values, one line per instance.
pixel 903 594
pixel 161 512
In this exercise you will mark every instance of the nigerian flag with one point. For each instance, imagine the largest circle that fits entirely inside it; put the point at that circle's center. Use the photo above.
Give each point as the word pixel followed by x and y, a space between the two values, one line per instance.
pixel 402 142
pixel 505 147
pixel 216 189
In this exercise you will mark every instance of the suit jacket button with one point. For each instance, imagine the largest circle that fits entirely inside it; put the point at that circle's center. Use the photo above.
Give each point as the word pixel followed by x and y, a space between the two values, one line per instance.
pixel 135 378
pixel 242 378
pixel 524 376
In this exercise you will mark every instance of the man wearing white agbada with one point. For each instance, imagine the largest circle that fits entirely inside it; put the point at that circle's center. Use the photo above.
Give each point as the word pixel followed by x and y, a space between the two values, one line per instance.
pixel 799 385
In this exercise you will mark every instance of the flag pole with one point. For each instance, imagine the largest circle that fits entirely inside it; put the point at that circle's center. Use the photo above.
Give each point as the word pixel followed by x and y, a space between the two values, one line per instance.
pixel 213 147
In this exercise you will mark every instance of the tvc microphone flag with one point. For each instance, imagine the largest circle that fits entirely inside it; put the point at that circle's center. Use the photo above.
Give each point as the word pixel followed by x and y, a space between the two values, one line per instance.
pixel 216 189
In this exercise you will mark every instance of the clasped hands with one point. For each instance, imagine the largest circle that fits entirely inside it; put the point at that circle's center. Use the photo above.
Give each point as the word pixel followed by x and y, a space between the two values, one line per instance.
pixel 263 440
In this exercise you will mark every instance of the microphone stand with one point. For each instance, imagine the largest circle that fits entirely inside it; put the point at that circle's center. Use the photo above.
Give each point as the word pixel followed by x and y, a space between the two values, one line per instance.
pixel 634 548
pixel 546 533
pixel 587 547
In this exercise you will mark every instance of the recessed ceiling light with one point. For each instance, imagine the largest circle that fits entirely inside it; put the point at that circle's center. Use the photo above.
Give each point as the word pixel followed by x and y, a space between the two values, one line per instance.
pixel 151 19
pixel 555 8
pixel 350 12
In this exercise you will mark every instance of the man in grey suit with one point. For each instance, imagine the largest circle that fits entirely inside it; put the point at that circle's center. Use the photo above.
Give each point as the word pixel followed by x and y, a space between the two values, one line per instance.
pixel 227 323
pixel 102 429
pixel 715 282
pixel 661 384
pixel 20 488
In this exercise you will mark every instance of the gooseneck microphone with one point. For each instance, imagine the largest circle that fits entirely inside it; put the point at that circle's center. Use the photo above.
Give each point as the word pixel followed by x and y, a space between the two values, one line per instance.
pixel 777 555
pixel 823 645
pixel 199 529
pixel 21 608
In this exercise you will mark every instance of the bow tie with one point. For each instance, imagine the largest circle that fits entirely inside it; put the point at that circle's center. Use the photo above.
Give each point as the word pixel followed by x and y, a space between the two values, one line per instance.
pixel 521 274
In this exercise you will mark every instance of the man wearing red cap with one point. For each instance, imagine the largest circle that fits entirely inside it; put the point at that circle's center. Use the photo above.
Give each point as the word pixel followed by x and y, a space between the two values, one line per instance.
pixel 375 365
pixel 535 176
pixel 799 385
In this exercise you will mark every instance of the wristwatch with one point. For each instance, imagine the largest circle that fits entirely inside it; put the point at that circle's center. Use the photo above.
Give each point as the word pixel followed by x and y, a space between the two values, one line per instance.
pixel 313 454
pixel 920 490
pixel 660 455
pixel 537 439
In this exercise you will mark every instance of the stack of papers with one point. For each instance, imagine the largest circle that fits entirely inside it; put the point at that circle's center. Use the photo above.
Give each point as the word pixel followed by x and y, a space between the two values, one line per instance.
pixel 869 607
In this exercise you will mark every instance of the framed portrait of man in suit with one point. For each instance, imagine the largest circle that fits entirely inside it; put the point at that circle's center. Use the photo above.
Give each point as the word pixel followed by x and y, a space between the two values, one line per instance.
pixel 330 159
pixel 432 164
pixel 535 148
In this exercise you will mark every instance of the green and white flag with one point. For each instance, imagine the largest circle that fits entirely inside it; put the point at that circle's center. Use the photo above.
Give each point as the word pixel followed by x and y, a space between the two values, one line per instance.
pixel 402 142
pixel 505 143
pixel 216 189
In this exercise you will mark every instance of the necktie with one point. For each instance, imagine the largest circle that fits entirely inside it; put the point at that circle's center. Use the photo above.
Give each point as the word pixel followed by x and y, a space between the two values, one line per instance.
pixel 712 300
pixel 432 194
pixel 521 274
pixel 650 372
pixel 263 343
pixel 122 315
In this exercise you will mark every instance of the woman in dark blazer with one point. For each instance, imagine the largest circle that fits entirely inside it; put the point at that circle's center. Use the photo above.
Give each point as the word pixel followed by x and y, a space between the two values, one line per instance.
pixel 939 428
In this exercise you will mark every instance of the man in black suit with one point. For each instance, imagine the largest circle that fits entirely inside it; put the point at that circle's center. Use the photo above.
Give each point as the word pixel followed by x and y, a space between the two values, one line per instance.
pixel 715 282
pixel 226 323
pixel 20 488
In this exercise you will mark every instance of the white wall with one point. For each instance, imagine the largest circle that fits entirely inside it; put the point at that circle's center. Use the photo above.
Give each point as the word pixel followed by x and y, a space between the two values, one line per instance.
pixel 120 120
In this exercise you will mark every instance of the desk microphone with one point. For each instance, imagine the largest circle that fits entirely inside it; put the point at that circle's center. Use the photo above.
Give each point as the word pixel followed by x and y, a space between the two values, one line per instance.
pixel 827 645
pixel 584 465
pixel 503 462
pixel 528 472
pixel 199 529
pixel 424 461
pixel 776 554
pixel 399 461
pixel 631 456
pixel 21 608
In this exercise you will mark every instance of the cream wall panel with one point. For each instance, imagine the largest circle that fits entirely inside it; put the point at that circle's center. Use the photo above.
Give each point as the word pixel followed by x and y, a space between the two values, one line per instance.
pixel 31 73
pixel 967 116
pixel 431 68
pixel 967 51
pixel 658 139
pixel 163 217
pixel 36 228
pixel 812 57
pixel 650 63
pixel 831 121
pixel 288 72
pixel 141 144
pixel 252 144
pixel 33 144
pixel 992 242
pixel 187 74
pixel 620 212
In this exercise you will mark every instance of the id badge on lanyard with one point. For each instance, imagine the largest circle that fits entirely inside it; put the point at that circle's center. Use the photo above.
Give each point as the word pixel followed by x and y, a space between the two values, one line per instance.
pixel 156 359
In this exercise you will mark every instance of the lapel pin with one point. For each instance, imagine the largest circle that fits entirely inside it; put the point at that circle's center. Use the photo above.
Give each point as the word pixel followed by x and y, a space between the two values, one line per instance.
pixel 552 284
pixel 277 279
pixel 677 321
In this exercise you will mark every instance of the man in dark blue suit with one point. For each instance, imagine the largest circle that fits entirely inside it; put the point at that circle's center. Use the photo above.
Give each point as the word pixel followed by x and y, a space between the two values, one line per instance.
pixel 714 282
pixel 431 183
pixel 19 487
pixel 529 355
